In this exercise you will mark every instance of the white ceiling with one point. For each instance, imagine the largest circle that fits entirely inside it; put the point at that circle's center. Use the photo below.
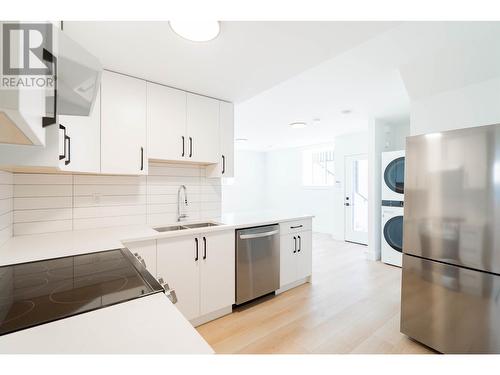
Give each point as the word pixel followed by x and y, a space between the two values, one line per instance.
pixel 375 79
pixel 245 59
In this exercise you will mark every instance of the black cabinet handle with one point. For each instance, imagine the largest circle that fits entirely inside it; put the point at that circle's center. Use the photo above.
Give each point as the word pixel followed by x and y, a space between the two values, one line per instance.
pixel 296 226
pixel 300 244
pixel 190 147
pixel 142 158
pixel 196 256
pixel 183 150
pixel 204 248
pixel 347 204
pixel 63 128
pixel 67 138
pixel 47 56
pixel 223 164
pixel 294 244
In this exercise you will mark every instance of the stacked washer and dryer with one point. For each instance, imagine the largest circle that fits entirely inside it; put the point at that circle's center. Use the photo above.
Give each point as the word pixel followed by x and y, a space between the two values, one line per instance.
pixel 393 173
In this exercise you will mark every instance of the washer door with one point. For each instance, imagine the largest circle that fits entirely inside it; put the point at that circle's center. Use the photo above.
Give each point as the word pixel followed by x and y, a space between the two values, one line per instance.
pixel 393 233
pixel 394 175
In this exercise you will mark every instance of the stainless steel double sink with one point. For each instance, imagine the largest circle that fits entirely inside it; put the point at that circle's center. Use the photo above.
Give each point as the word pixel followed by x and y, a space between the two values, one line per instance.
pixel 187 226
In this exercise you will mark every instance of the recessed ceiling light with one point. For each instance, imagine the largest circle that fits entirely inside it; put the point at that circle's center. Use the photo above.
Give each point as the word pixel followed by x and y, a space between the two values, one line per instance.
pixel 346 111
pixel 196 31
pixel 298 125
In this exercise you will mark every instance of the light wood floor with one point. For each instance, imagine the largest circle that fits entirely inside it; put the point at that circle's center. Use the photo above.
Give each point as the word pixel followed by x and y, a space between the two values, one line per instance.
pixel 351 306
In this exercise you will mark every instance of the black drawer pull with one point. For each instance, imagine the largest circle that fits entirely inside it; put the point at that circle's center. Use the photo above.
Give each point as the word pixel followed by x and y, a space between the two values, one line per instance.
pixel 296 226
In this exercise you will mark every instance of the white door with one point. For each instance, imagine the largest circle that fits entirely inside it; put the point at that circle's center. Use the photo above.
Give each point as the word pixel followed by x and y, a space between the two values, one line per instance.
pixel 288 259
pixel 123 124
pixel 82 147
pixel 356 198
pixel 304 254
pixel 166 123
pixel 217 286
pixel 177 264
pixel 203 140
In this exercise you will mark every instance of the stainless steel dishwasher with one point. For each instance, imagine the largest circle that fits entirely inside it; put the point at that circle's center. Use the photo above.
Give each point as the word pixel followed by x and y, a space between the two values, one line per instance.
pixel 257 262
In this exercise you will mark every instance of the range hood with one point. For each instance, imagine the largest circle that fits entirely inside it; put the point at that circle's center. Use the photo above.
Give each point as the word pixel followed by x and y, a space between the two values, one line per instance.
pixel 24 112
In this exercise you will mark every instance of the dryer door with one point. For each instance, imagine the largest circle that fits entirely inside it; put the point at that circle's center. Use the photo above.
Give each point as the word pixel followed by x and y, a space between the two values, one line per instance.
pixel 393 233
pixel 394 175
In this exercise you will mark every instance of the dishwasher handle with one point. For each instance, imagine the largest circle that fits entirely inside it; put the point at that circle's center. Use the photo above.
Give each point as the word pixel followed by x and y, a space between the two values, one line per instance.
pixel 258 235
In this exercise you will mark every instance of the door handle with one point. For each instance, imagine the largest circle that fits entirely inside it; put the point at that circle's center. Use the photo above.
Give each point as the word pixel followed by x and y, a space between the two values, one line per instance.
pixel 63 128
pixel 294 244
pixel 196 253
pixel 67 138
pixel 258 235
pixel 190 146
pixel 300 244
pixel 223 164
pixel 204 248
pixel 142 158
pixel 47 56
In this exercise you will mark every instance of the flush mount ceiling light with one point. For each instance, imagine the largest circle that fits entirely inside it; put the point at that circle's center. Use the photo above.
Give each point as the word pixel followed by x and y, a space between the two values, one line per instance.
pixel 196 31
pixel 298 125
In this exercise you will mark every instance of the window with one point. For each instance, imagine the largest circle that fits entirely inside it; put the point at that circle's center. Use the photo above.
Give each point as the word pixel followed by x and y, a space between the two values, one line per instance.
pixel 318 167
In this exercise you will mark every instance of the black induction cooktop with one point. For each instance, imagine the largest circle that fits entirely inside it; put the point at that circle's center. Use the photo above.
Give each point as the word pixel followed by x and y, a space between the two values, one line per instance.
pixel 40 292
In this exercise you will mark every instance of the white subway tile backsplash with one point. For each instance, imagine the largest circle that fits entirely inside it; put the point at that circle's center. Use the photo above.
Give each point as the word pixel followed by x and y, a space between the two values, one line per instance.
pixel 53 202
pixel 6 206
pixel 43 191
pixel 42 179
pixel 28 216
pixel 42 202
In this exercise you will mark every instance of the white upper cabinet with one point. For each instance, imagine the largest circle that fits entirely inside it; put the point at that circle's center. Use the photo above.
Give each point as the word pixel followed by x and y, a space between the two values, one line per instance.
pixel 123 124
pixel 225 166
pixel 202 144
pixel 80 141
pixel 166 123
pixel 72 145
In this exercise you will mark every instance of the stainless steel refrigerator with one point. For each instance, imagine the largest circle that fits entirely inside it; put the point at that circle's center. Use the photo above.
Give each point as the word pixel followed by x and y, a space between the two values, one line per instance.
pixel 450 296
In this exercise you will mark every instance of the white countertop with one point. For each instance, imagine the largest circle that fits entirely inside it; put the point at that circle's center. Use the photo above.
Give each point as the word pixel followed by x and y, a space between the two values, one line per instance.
pixel 148 325
pixel 52 245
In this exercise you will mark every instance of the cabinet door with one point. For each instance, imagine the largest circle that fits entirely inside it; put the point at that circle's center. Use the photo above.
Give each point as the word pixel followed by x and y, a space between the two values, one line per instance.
pixel 123 124
pixel 227 138
pixel 225 166
pixel 177 265
pixel 288 259
pixel 217 271
pixel 83 146
pixel 304 254
pixel 166 123
pixel 147 251
pixel 203 140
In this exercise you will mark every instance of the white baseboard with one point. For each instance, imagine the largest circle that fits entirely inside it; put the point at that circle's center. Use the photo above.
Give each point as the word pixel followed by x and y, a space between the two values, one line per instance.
pixel 294 284
pixel 211 316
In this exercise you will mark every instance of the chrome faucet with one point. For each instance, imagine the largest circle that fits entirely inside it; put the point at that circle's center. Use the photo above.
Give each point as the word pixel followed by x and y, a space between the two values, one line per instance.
pixel 183 215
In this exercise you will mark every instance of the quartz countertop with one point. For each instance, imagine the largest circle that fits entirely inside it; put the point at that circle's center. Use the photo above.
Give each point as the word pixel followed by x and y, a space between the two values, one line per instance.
pixel 29 248
pixel 147 325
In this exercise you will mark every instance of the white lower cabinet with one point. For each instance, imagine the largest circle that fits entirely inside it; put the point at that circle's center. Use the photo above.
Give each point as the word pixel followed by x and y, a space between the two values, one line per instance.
pixel 201 270
pixel 146 250
pixel 295 257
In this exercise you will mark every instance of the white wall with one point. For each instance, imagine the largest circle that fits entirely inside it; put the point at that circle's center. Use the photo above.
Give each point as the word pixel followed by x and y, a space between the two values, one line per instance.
pixel 286 193
pixel 468 106
pixel 6 203
pixel 246 191
pixel 57 202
